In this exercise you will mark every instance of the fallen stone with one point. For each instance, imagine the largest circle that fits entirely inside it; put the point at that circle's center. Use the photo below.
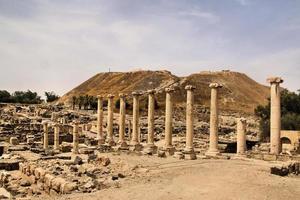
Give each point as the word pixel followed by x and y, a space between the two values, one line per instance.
pixel 77 160
pixel 161 154
pixel 25 183
pixel 280 171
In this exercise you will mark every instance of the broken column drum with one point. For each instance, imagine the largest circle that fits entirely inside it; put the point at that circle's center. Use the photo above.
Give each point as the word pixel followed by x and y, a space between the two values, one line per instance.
pixel 189 119
pixel 275 121
pixel 100 137
pixel 213 135
pixel 169 118
pixel 135 119
pixel 122 116
pixel 56 137
pixel 75 138
pixel 46 136
pixel 241 136
pixel 110 121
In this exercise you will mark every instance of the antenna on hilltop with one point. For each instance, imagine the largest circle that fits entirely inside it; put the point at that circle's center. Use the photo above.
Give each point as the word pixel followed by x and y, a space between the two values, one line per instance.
pixel 109 69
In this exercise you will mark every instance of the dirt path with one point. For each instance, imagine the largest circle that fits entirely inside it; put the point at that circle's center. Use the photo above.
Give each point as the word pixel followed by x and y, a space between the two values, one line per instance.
pixel 201 179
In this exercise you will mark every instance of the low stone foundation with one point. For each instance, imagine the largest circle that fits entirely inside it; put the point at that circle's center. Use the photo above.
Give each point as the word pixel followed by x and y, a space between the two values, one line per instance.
pixel 49 182
pixel 9 164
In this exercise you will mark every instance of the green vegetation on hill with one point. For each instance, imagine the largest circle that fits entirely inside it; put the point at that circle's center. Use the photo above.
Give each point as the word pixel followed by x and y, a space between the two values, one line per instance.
pixel 84 102
pixel 290 113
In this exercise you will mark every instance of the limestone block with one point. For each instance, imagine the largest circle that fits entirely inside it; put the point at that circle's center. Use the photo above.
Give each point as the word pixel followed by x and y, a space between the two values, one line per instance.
pixel 56 183
pixel 68 187
pixel 48 180
pixel 14 141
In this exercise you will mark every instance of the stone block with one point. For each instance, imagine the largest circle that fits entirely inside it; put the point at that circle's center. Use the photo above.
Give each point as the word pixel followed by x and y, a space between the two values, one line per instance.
pixel 269 157
pixel 14 141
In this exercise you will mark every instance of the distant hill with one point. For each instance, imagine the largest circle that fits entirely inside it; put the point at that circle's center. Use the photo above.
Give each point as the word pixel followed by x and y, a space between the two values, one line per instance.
pixel 240 93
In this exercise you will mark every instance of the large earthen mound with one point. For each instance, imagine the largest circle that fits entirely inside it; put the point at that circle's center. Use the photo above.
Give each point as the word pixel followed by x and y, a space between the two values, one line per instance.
pixel 240 93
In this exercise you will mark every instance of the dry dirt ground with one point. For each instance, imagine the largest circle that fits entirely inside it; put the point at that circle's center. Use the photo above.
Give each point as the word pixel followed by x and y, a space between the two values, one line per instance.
pixel 169 178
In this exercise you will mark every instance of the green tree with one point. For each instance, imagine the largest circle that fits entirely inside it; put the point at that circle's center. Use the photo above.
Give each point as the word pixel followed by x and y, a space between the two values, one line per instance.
pixel 74 102
pixel 26 97
pixel 290 113
pixel 51 96
pixel 81 102
pixel 5 96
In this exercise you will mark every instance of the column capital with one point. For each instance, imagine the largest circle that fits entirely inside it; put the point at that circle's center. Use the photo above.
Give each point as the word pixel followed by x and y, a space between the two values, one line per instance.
pixel 137 93
pixel 169 90
pixel 100 97
pixel 56 124
pixel 151 91
pixel 110 96
pixel 190 87
pixel 215 85
pixel 275 80
pixel 122 95
pixel 45 122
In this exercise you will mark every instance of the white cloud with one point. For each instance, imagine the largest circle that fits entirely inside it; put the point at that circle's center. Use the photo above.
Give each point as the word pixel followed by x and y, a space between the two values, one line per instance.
pixel 207 16
pixel 243 2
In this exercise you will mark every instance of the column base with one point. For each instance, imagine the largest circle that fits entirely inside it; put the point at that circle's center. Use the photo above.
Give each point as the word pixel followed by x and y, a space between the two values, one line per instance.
pixel 122 146
pixel 170 150
pixel 212 153
pixel 150 149
pixel 189 154
pixel 188 150
pixel 136 147
pixel 111 143
pixel 179 155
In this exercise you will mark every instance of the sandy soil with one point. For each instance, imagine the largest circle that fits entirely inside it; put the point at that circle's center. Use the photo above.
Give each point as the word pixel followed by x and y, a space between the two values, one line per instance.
pixel 173 179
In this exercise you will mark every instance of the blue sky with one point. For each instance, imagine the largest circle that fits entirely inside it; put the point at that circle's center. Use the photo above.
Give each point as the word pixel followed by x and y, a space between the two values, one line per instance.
pixel 57 44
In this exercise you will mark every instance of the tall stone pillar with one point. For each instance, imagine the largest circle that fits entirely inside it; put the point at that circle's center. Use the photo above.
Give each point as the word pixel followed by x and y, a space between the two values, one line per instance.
pixel 135 121
pixel 56 137
pixel 168 121
pixel 189 148
pixel 275 121
pixel 100 137
pixel 151 108
pixel 213 135
pixel 46 136
pixel 75 138
pixel 129 130
pixel 122 116
pixel 241 136
pixel 110 121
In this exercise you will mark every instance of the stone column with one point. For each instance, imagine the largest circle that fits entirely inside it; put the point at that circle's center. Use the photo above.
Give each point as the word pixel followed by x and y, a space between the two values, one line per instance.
pixel 241 136
pixel 75 138
pixel 46 136
pixel 151 107
pixel 100 137
pixel 213 135
pixel 135 120
pixel 168 119
pixel 56 137
pixel 129 130
pixel 275 121
pixel 189 119
pixel 122 116
pixel 110 121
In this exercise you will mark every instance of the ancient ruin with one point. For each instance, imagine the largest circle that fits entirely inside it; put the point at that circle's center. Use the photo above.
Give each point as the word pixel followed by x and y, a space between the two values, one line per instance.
pixel 52 150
